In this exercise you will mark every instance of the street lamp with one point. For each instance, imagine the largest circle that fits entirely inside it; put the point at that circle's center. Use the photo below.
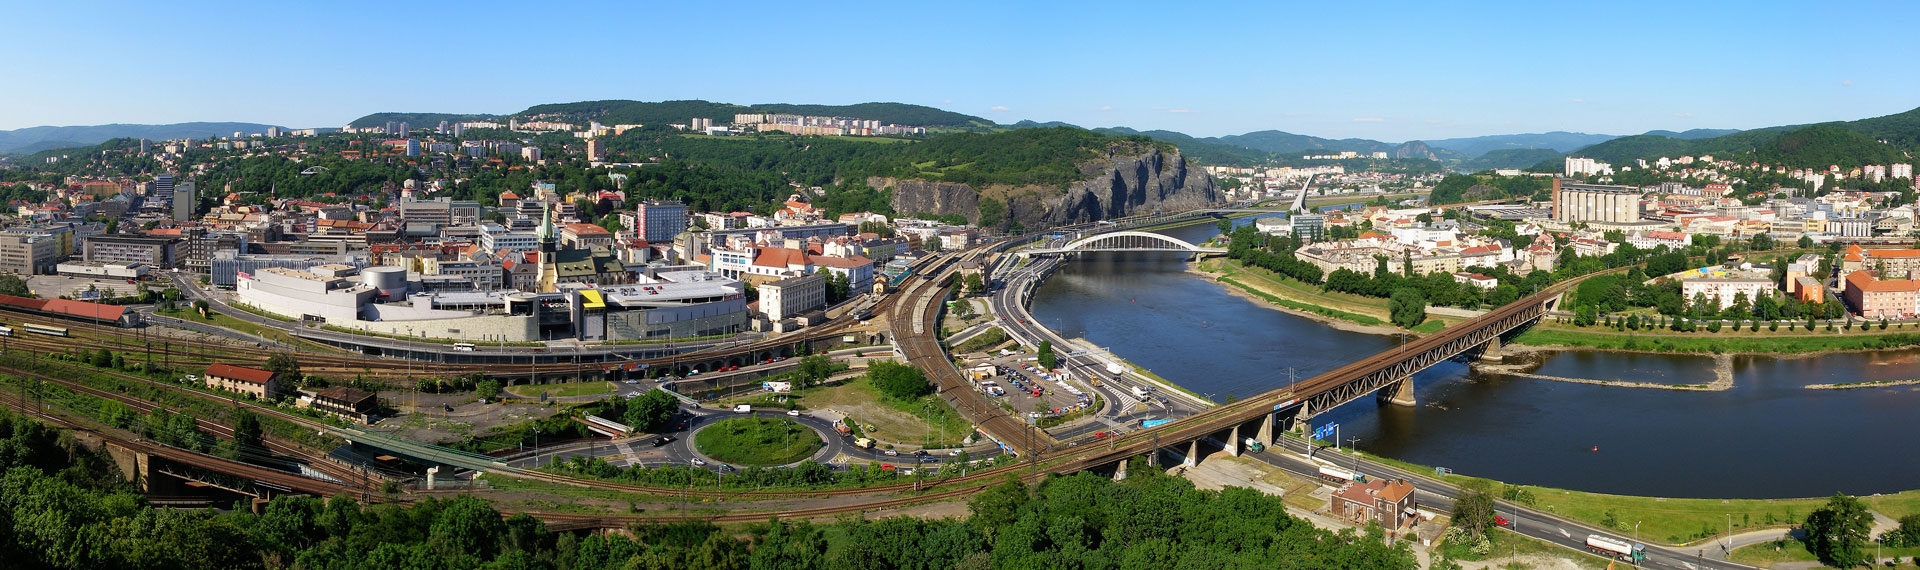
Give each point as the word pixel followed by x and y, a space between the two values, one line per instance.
pixel 1729 533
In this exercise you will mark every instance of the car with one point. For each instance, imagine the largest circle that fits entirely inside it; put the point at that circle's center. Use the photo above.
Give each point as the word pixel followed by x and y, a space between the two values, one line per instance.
pixel 793 413
pixel 955 452
pixel 662 440
pixel 726 468
pixel 697 461
pixel 891 453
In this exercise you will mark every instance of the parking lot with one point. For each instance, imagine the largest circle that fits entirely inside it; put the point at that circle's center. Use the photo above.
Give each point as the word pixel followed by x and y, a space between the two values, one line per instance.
pixel 52 286
pixel 1026 387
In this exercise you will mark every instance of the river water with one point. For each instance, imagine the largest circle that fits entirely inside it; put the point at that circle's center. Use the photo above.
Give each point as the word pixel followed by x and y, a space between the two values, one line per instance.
pixel 1766 437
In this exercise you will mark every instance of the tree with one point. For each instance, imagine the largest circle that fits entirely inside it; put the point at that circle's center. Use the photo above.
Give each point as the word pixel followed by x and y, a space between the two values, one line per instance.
pixel 974 284
pixel 1585 315
pixel 285 365
pixel 815 369
pixel 487 389
pixel 1047 358
pixel 1473 510
pixel 1837 533
pixel 898 381
pixel 1806 242
pixel 651 410
pixel 467 526
pixel 13 285
pixel 246 430
pixel 1407 307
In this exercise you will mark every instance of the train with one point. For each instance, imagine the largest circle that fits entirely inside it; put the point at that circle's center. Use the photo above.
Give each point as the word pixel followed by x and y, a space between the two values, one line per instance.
pixel 1614 548
pixel 37 328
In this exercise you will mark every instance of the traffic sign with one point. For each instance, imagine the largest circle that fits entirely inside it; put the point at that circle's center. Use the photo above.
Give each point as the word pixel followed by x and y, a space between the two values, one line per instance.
pixel 1325 431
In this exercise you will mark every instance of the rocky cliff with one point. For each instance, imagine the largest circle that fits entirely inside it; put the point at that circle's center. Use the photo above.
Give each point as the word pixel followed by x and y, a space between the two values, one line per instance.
pixel 1116 184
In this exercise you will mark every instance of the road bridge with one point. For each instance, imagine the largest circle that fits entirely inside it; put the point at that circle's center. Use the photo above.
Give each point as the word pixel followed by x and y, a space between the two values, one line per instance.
pixel 1124 241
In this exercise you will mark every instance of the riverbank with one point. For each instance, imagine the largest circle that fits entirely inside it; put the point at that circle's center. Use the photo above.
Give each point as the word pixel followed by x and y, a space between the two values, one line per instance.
pixel 1663 520
pixel 1722 377
pixel 1346 315
pixel 1554 337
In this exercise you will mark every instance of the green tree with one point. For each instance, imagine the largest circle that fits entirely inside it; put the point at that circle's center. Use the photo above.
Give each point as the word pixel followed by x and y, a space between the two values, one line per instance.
pixel 898 381
pixel 488 388
pixel 285 365
pixel 975 284
pixel 1473 509
pixel 13 285
pixel 1407 307
pixel 1806 242
pixel 1046 356
pixel 1837 533
pixel 815 369
pixel 650 411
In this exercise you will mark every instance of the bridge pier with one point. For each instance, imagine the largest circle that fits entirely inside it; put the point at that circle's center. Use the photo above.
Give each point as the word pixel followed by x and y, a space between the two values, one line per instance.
pixel 1120 471
pixel 1399 393
pixel 1266 429
pixel 1233 442
pixel 1490 352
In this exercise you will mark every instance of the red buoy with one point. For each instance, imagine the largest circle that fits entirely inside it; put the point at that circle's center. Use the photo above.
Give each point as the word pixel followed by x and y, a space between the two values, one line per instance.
pixel 1596 449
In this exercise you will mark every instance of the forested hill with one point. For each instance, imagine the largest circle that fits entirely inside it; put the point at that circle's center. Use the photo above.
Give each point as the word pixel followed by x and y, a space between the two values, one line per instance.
pixel 1878 140
pixel 418 120
pixel 35 139
pixel 618 111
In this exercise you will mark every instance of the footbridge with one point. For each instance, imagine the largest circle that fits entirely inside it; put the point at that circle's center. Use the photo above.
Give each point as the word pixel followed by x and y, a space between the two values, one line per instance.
pixel 1124 241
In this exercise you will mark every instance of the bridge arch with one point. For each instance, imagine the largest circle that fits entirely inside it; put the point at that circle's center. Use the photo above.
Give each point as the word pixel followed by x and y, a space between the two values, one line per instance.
pixel 1131 240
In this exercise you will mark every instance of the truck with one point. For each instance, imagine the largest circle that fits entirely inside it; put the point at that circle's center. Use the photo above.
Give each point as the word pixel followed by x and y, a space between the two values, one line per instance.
pixel 863 443
pixel 1142 391
pixel 1254 445
pixel 1618 549
pixel 1342 476
pixel 1151 423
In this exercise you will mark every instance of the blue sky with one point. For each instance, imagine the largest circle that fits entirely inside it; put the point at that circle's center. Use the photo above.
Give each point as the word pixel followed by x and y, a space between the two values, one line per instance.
pixel 1382 70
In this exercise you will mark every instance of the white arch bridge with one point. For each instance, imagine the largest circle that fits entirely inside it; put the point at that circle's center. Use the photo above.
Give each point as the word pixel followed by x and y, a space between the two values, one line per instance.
pixel 1123 241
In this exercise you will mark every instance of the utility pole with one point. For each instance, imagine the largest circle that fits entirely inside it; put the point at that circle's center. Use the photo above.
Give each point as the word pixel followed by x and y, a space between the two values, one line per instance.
pixel 1354 451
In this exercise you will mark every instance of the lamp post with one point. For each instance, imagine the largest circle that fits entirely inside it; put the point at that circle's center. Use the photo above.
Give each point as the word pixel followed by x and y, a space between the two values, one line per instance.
pixel 1729 548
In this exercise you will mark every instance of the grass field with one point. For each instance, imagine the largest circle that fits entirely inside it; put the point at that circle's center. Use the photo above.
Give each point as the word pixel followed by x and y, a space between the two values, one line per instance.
pixel 902 422
pixel 758 441
pixel 1507 545
pixel 564 390
pixel 1764 342
pixel 1767 554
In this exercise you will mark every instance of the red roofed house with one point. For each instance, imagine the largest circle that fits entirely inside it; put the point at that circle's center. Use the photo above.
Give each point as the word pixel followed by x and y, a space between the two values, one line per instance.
pixel 261 384
pixel 1655 239
pixel 1887 262
pixel 1389 502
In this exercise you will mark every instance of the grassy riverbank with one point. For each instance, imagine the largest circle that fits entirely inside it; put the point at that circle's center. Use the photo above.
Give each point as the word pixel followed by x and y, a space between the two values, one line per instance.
pixel 1662 520
pixel 1763 342
pixel 1291 294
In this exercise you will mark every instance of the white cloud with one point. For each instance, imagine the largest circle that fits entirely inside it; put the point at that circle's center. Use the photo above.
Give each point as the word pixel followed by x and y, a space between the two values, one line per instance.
pixel 1579 99
pixel 946 101
pixel 1106 107
pixel 1369 120
pixel 1846 83
pixel 1179 110
pixel 1684 115
pixel 997 108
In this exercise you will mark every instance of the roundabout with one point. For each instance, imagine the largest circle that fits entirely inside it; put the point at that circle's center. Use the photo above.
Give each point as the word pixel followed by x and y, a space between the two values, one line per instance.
pixel 757 441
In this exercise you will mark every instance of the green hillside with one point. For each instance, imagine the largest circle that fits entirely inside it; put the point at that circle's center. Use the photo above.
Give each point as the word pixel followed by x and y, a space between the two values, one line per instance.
pixel 1878 140
pixel 1511 158
pixel 645 112
pixel 416 120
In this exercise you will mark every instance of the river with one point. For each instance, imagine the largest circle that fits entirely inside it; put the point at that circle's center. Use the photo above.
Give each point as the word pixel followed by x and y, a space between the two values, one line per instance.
pixel 1765 437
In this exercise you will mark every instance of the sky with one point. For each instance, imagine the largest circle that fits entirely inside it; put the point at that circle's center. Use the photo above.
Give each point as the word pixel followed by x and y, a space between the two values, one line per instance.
pixel 1380 70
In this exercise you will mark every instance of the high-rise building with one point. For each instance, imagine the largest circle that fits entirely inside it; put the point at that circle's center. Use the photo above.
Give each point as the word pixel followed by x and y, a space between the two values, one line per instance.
pixel 530 153
pixel 1900 170
pixel 184 202
pixel 273 132
pixel 442 129
pixel 1574 202
pixel 596 150
pixel 404 129
pixel 163 187
pixel 413 147
pixel 1586 166
pixel 393 127
pixel 145 145
pixel 660 220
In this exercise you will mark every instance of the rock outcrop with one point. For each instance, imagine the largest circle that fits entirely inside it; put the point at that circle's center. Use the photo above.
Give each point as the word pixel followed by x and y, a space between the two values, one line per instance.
pixel 1116 185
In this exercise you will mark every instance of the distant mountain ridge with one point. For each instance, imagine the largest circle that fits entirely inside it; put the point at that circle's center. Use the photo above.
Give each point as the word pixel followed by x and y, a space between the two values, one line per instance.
pixel 35 139
pixel 1561 141
pixel 622 111
pixel 1876 140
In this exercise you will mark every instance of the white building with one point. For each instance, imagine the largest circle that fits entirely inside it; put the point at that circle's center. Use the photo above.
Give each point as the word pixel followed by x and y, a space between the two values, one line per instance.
pixel 1722 290
pixel 793 296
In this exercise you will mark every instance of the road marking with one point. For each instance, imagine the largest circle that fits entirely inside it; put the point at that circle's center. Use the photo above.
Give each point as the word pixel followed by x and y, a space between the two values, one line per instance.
pixel 1563 532
pixel 1689 566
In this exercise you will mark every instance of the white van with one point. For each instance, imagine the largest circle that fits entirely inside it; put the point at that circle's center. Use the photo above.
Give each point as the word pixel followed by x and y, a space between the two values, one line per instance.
pixel 743 408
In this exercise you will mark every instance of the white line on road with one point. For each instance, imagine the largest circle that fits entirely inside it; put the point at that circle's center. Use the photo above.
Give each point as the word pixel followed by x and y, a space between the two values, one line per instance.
pixel 1563 532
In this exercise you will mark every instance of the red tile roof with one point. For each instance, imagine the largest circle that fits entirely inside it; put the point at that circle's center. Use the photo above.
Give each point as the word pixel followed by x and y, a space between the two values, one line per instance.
pixel 243 374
